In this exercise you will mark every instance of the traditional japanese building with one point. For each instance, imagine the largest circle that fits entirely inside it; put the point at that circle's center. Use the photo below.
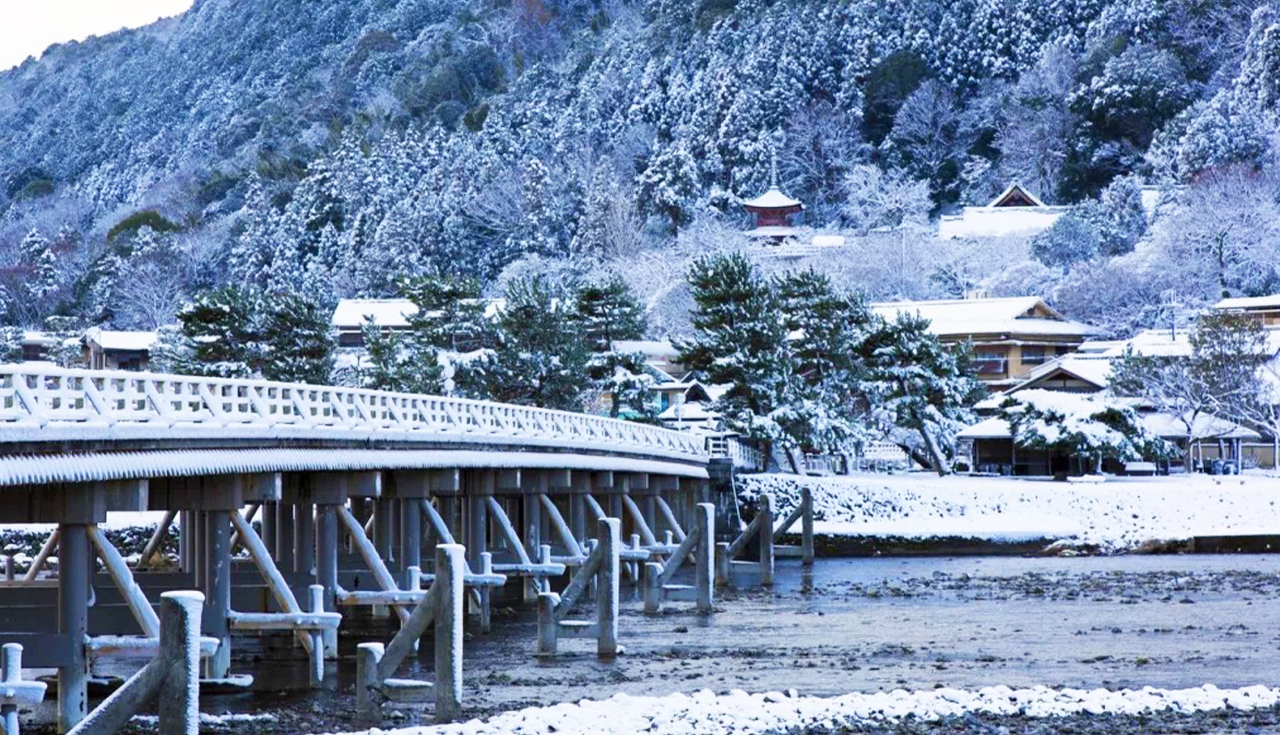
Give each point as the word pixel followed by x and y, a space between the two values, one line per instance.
pixel 773 210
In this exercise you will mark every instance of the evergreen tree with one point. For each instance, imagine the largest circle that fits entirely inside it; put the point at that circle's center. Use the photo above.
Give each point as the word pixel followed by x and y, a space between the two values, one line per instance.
pixel 10 345
pixel 669 185
pixel 450 326
pixel 224 339
pixel 919 384
pixel 541 355
pixel 64 332
pixel 1089 428
pixel 172 352
pixel 740 341
pixel 828 402
pixel 297 341
pixel 39 256
pixel 396 362
pixel 607 312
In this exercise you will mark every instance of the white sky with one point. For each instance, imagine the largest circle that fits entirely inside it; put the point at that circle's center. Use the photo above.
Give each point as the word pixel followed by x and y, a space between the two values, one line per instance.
pixel 28 27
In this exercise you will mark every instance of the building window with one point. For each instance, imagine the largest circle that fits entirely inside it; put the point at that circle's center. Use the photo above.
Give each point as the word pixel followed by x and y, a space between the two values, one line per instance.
pixel 31 353
pixel 990 362
pixel 351 339
pixel 1034 355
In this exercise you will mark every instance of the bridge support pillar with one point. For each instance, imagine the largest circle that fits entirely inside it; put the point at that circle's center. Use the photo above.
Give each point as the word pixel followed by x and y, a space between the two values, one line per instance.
pixel 411 488
pixel 305 540
pixel 217 589
pixel 533 486
pixel 580 487
pixel 479 486
pixel 73 621
pixel 284 535
pixel 208 501
pixel 382 530
pixel 329 493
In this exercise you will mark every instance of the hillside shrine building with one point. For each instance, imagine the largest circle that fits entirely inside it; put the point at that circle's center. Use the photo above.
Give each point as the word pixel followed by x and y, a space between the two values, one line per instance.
pixel 773 210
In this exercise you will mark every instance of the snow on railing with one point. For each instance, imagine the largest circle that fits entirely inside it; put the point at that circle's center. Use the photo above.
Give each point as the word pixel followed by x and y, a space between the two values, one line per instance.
pixel 39 402
pixel 745 455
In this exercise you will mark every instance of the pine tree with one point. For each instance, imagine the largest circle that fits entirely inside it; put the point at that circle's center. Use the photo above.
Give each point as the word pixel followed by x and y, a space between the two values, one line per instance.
pixel 826 330
pixel 740 341
pixel 173 352
pixel 450 327
pixel 220 325
pixel 919 384
pixel 396 362
pixel 10 345
pixel 297 341
pixel 1089 428
pixel 64 333
pixel 607 312
pixel 541 355
pixel 39 255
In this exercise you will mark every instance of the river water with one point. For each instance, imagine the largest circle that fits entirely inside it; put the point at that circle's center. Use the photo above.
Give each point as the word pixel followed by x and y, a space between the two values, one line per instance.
pixel 851 625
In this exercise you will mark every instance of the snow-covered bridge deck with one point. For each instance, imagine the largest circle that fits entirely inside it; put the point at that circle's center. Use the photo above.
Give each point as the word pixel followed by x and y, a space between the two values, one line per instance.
pixel 60 425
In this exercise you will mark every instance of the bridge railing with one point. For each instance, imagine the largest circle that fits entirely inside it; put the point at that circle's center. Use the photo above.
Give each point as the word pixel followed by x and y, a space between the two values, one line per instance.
pixel 35 397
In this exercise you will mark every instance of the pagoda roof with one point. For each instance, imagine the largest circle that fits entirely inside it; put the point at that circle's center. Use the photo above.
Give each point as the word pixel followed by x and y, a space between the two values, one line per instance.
pixel 773 199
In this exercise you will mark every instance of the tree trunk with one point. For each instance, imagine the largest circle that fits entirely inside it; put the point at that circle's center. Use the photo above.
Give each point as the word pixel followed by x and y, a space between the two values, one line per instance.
pixel 1187 461
pixel 940 464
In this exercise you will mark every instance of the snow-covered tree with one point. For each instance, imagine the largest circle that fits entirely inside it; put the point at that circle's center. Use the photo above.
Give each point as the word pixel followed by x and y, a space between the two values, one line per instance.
pixel 919 385
pixel 884 199
pixel 10 345
pixel 224 339
pixel 297 340
pixel 541 355
pixel 1089 428
pixel 1226 351
pixel 739 341
pixel 669 186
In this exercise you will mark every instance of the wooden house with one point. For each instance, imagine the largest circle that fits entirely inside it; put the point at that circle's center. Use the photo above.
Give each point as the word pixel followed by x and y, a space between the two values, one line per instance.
pixel 1010 336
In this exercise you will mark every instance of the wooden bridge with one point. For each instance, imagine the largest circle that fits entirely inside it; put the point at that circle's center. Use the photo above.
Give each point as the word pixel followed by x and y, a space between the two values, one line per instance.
pixel 340 497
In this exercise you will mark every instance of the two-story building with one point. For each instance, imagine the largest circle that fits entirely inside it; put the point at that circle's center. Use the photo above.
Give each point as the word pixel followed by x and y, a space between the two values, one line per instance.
pixel 1010 337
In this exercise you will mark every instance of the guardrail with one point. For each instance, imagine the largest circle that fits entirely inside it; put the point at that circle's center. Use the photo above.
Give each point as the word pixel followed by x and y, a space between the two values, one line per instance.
pixel 745 455
pixel 43 402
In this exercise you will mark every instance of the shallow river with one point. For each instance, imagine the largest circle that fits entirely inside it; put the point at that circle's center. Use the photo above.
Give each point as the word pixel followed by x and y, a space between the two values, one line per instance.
pixel 859 625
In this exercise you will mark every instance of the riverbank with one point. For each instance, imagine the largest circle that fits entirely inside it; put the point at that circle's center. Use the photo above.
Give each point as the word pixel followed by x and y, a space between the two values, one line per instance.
pixel 856 625
pixel 864 512
pixel 991 709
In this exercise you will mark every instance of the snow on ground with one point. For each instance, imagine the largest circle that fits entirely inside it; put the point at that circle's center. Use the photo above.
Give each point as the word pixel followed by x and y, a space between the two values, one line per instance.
pixel 1114 515
pixel 739 713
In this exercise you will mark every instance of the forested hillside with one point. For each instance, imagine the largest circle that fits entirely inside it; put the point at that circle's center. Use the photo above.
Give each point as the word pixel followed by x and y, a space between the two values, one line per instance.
pixel 330 147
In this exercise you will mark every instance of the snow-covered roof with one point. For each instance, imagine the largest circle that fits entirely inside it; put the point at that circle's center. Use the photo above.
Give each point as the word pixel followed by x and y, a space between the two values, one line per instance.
pixel 1024 315
pixel 1163 425
pixel 688 411
pixel 30 337
pixel 648 348
pixel 390 313
pixel 1255 302
pixel 1149 342
pixel 772 199
pixel 1092 370
pixel 1205 426
pixel 121 340
pixel 1014 191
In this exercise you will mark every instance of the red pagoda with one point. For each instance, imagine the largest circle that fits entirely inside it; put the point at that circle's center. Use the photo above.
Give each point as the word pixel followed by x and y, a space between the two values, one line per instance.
pixel 772 209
